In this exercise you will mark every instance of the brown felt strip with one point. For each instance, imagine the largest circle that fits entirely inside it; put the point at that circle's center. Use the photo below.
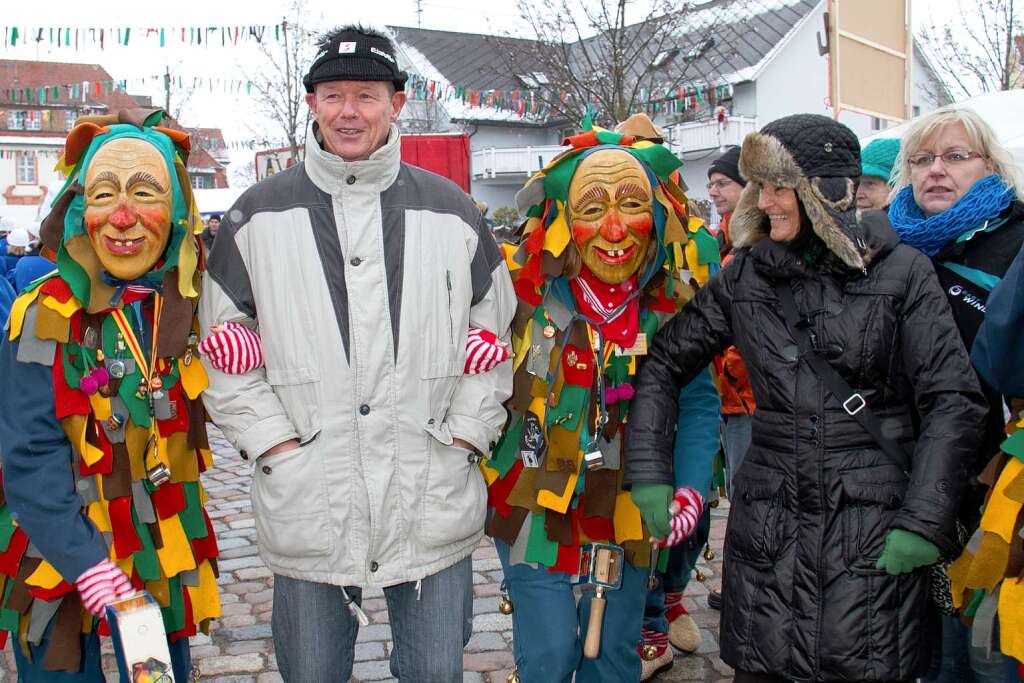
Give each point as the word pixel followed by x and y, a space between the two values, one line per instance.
pixel 64 650
pixel 507 528
pixel 175 320
pixel 52 325
pixel 119 482
pixel 600 489
pixel 197 436
pixel 558 527
pixel 20 599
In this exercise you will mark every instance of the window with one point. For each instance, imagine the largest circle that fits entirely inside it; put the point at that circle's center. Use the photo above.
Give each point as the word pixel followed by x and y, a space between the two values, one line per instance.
pixel 16 120
pixel 541 78
pixel 202 182
pixel 662 58
pixel 699 49
pixel 528 80
pixel 33 120
pixel 916 109
pixel 27 168
pixel 876 123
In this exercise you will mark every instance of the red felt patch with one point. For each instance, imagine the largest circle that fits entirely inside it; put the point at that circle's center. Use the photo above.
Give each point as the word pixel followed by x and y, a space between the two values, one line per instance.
pixel 67 401
pixel 103 628
pixel 126 540
pixel 168 499
pixel 11 558
pixel 578 366
pixel 178 423
pixel 205 548
pixel 569 555
pixel 57 288
pixel 498 492
pixel 61 589
pixel 104 465
pixel 189 628
pixel 527 291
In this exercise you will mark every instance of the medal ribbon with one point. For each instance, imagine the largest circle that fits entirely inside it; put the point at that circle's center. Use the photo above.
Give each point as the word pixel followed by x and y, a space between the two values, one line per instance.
pixel 147 369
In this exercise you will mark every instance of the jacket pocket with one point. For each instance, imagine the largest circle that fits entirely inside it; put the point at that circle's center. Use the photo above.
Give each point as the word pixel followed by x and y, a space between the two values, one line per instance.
pixel 444 311
pixel 454 501
pixel 871 498
pixel 298 390
pixel 290 504
pixel 755 532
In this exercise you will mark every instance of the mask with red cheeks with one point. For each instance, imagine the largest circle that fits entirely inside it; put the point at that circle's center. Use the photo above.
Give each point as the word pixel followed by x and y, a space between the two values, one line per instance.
pixel 128 206
pixel 610 204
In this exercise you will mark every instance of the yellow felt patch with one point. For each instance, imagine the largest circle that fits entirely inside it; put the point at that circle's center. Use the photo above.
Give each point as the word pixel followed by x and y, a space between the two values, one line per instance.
pixel 1015 489
pixel 17 315
pixel 45 577
pixel 160 592
pixel 176 554
pixel 490 474
pixel 557 236
pixel 97 514
pixel 1011 618
pixel 524 491
pixel 66 309
pixel 629 525
pixel 188 259
pixel 1001 511
pixel 522 349
pixel 701 273
pixel 957 573
pixel 509 251
pixel 52 325
pixel 205 601
pixel 558 502
pixel 674 232
pixel 207 455
pixel 135 440
pixel 100 406
pixel 989 564
pixel 193 378
pixel 89 453
pixel 182 460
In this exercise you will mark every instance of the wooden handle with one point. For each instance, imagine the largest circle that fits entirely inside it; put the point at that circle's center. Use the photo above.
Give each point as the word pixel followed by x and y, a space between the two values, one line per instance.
pixel 592 645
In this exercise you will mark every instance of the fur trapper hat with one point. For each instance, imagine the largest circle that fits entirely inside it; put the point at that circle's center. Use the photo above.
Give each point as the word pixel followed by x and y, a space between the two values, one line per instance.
pixel 820 159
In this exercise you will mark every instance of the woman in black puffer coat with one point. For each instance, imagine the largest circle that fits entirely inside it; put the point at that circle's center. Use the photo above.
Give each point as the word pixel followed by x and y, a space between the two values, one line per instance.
pixel 828 540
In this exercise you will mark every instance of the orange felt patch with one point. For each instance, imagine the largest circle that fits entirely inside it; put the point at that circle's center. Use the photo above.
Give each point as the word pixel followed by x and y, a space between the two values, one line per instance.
pixel 79 139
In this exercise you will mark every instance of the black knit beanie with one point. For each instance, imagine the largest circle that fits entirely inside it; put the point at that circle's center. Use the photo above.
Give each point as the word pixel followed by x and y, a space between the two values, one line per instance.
pixel 728 165
pixel 352 55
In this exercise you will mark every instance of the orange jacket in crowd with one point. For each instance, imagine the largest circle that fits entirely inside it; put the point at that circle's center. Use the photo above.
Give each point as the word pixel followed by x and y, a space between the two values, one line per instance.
pixel 733 381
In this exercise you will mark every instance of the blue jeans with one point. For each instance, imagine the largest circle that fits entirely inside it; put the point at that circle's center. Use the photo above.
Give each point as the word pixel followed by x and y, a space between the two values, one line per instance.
pixel 958 662
pixel 682 559
pixel 315 633
pixel 548 627
pixel 91 668
pixel 736 435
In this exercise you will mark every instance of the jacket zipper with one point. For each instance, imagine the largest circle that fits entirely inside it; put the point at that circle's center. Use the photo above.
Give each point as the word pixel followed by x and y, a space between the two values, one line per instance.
pixel 451 325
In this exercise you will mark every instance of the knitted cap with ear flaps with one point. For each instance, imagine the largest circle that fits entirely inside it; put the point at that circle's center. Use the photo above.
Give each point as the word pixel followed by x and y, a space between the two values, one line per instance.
pixel 818 158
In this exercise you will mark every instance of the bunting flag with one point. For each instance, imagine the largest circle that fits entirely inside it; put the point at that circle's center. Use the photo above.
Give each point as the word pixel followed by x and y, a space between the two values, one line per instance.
pixel 77 38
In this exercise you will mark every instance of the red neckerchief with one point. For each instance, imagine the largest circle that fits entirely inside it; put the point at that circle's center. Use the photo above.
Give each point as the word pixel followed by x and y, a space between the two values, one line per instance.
pixel 597 300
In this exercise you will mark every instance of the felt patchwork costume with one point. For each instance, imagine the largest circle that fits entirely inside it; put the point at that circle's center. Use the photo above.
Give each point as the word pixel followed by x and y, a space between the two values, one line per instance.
pixel 103 431
pixel 590 300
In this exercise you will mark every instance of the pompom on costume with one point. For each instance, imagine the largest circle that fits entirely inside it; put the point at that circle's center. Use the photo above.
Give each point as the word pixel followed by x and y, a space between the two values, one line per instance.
pixel 590 299
pixel 102 460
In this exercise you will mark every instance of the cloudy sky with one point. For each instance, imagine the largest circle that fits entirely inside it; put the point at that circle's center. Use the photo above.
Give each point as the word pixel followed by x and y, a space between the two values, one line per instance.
pixel 144 59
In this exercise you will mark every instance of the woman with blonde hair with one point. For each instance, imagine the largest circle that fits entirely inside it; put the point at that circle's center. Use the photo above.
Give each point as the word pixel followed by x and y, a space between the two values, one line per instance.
pixel 958 200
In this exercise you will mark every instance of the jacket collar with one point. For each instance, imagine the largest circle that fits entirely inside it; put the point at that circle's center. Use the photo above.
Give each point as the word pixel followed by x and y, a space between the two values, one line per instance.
pixel 329 172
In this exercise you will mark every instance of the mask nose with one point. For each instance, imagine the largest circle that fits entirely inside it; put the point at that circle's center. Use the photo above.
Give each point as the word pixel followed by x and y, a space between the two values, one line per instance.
pixel 613 229
pixel 123 217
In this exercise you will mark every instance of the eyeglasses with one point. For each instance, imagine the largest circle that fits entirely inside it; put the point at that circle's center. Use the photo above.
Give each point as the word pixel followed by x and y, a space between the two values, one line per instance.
pixel 953 157
pixel 719 184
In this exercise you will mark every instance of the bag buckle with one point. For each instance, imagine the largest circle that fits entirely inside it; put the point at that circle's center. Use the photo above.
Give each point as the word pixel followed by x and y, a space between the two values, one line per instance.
pixel 857 402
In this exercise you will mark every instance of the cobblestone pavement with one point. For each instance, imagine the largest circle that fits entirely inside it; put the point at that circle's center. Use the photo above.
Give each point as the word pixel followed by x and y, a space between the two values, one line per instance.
pixel 239 648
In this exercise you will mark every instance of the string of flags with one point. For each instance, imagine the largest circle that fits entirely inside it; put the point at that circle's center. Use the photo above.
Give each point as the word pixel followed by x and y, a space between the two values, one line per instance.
pixel 76 38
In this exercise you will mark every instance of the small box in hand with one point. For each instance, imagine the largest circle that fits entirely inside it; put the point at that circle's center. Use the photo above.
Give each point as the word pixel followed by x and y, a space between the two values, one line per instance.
pixel 140 642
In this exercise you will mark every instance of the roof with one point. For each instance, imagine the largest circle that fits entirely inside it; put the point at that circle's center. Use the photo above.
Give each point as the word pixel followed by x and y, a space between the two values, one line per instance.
pixel 23 73
pixel 200 160
pixel 724 41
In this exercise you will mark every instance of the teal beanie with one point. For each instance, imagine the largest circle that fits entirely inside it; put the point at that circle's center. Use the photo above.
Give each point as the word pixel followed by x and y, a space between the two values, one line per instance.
pixel 878 158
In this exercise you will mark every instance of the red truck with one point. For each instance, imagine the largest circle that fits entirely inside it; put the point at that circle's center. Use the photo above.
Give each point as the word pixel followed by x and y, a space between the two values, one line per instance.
pixel 445 154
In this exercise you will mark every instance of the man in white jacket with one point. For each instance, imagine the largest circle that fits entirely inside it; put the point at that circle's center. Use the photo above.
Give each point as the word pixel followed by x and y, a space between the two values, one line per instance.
pixel 362 275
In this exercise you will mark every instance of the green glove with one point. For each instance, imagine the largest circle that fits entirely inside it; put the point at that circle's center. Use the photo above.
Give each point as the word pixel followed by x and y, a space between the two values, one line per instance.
pixel 905 551
pixel 653 501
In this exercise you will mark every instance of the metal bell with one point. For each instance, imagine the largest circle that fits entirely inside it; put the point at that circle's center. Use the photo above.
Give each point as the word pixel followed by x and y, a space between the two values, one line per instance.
pixel 512 677
pixel 713 503
pixel 709 554
pixel 649 654
pixel 505 605
pixel 700 575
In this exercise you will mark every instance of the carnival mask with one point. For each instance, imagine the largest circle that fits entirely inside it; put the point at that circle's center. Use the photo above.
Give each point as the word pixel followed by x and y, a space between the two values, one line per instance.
pixel 610 203
pixel 128 206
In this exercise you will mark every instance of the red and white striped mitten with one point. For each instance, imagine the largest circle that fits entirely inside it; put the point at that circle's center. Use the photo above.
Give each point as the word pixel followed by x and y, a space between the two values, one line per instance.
pixel 484 351
pixel 686 508
pixel 233 348
pixel 102 584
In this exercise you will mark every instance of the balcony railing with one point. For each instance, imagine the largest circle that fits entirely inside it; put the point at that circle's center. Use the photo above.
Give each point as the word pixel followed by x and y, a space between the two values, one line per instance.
pixel 501 162
pixel 700 135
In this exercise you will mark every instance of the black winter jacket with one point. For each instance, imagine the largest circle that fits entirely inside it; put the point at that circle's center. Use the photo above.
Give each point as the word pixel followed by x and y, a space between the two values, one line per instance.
pixel 815 496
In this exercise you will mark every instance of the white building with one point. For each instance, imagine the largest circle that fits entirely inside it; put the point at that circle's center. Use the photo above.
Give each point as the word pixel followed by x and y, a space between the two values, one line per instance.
pixel 764 54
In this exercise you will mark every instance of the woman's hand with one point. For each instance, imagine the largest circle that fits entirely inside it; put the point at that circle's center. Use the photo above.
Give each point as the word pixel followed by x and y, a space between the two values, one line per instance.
pixel 906 551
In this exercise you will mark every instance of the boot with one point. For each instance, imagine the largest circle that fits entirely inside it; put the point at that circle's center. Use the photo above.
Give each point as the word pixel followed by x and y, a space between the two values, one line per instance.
pixel 655 654
pixel 682 629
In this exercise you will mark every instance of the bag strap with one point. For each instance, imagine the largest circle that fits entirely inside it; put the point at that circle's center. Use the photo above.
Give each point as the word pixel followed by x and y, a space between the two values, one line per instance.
pixel 853 402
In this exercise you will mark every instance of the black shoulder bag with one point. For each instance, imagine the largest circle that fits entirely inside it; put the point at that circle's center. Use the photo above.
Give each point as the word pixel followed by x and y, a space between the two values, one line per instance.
pixel 855 405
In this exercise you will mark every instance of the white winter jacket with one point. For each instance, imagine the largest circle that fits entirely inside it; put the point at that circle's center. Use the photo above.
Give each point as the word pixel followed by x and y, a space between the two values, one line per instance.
pixel 362 279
